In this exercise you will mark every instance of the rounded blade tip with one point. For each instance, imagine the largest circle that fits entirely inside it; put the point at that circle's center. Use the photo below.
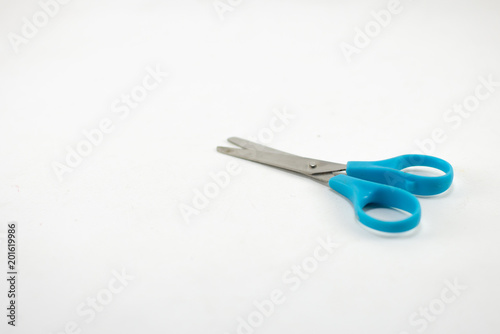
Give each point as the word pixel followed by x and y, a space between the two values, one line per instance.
pixel 222 149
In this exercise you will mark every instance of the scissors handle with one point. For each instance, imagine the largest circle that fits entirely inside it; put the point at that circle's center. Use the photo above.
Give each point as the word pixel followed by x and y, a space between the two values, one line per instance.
pixel 389 172
pixel 361 193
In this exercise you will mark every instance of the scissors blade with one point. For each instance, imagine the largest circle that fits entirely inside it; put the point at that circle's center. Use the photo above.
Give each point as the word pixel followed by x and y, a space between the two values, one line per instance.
pixel 243 143
pixel 317 169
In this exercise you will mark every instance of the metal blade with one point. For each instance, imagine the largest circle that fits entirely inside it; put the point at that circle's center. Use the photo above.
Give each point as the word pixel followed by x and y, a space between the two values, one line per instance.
pixel 243 143
pixel 316 169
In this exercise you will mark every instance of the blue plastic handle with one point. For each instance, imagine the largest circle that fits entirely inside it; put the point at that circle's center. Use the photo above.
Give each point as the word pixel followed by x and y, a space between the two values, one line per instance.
pixel 361 193
pixel 389 172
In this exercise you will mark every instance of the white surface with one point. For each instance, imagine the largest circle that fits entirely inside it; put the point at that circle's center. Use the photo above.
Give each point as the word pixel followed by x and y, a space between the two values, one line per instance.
pixel 120 207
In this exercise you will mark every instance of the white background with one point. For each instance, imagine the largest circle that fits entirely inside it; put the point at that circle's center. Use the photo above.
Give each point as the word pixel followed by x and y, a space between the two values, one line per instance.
pixel 120 208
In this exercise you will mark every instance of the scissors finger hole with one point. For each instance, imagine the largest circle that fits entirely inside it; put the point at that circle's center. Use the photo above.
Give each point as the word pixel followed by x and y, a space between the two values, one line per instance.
pixel 424 171
pixel 385 213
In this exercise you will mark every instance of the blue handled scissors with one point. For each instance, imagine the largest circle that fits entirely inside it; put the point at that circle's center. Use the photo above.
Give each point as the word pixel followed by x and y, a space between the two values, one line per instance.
pixel 381 183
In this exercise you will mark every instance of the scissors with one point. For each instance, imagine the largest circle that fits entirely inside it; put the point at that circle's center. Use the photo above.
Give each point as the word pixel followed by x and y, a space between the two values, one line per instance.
pixel 380 183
